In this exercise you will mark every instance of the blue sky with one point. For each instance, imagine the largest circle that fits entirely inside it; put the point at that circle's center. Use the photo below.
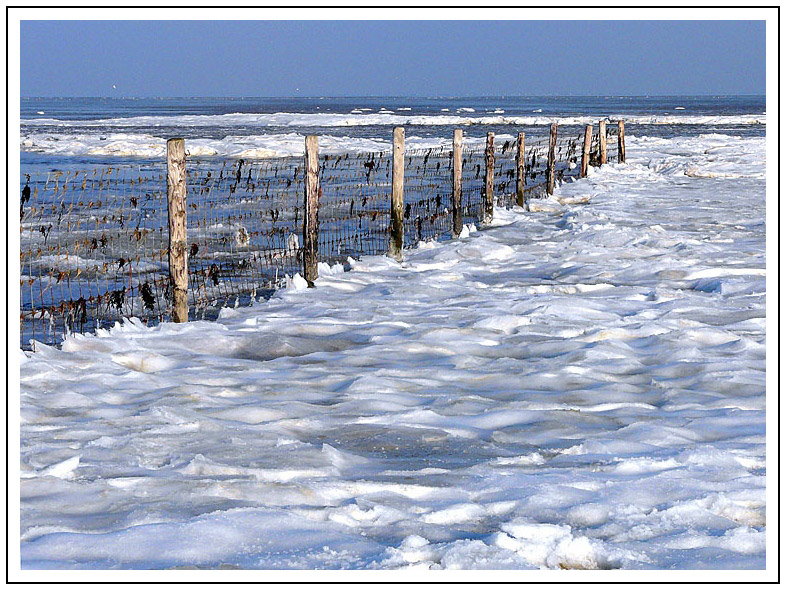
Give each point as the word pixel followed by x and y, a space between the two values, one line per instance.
pixel 378 58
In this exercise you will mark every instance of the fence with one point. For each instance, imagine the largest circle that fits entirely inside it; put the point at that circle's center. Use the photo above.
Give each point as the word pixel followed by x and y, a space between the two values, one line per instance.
pixel 99 245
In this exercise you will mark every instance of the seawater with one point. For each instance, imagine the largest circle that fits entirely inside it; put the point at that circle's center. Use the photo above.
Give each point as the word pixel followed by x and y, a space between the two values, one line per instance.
pixel 65 133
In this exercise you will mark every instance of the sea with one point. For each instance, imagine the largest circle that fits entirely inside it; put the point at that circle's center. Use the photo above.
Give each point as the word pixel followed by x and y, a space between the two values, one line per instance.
pixel 70 132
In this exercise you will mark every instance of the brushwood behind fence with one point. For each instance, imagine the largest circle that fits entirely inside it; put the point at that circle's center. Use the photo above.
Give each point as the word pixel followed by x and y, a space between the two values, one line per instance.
pixel 94 244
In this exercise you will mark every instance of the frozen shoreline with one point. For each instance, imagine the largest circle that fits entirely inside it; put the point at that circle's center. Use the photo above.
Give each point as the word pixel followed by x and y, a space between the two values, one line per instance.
pixel 384 118
pixel 246 135
pixel 581 386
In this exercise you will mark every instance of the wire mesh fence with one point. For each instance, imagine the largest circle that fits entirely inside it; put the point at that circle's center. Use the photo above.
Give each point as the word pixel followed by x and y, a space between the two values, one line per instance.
pixel 93 249
pixel 612 145
pixel 354 206
pixel 94 243
pixel 428 194
pixel 243 228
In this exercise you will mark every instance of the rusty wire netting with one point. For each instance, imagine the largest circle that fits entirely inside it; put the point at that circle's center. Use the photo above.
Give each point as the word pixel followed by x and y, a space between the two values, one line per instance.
pixel 354 205
pixel 612 151
pixel 612 145
pixel 244 219
pixel 472 183
pixel 567 156
pixel 505 153
pixel 94 243
pixel 93 248
pixel 428 190
pixel 535 169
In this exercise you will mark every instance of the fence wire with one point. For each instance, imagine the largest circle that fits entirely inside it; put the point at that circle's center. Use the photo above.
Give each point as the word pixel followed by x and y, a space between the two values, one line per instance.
pixel 354 205
pixel 244 222
pixel 428 194
pixel 92 249
pixel 94 243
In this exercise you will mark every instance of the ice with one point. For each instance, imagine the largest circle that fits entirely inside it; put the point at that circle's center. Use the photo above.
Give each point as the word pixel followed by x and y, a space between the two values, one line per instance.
pixel 579 386
pixel 261 538
pixel 386 117
pixel 62 470
pixel 272 134
pixel 146 145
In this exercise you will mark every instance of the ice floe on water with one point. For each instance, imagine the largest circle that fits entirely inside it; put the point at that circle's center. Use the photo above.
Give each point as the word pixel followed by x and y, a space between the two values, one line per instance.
pixel 271 145
pixel 581 386
pixel 385 117
pixel 147 145
pixel 266 135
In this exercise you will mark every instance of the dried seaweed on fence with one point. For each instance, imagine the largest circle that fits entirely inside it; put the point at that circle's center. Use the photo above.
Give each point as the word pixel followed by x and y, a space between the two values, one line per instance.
pixel 354 207
pixel 94 243
pixel 427 194
pixel 244 219
pixel 88 239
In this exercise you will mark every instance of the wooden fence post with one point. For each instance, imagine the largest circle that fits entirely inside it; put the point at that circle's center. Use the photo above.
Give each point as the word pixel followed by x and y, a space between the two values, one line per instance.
pixel 552 148
pixel 176 209
pixel 311 211
pixel 602 141
pixel 621 141
pixel 488 213
pixel 397 197
pixel 586 151
pixel 520 180
pixel 458 217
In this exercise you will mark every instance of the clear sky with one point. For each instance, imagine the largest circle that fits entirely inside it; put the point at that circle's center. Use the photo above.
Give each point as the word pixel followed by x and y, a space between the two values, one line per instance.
pixel 379 58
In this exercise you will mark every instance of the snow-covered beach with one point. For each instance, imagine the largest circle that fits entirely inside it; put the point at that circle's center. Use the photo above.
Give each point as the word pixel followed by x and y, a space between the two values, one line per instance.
pixel 581 386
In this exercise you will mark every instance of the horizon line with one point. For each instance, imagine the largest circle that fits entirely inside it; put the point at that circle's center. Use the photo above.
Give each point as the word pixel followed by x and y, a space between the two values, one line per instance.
pixel 323 97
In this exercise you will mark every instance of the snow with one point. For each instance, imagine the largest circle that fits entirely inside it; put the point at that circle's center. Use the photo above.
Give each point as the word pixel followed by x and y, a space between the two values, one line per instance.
pixel 581 386
pixel 269 135
pixel 386 117
pixel 263 145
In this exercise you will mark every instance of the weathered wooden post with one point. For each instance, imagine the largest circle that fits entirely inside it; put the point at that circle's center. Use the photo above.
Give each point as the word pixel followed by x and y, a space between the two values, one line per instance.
pixel 621 141
pixel 311 211
pixel 520 180
pixel 176 209
pixel 602 141
pixel 586 151
pixel 488 189
pixel 458 218
pixel 397 197
pixel 552 148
